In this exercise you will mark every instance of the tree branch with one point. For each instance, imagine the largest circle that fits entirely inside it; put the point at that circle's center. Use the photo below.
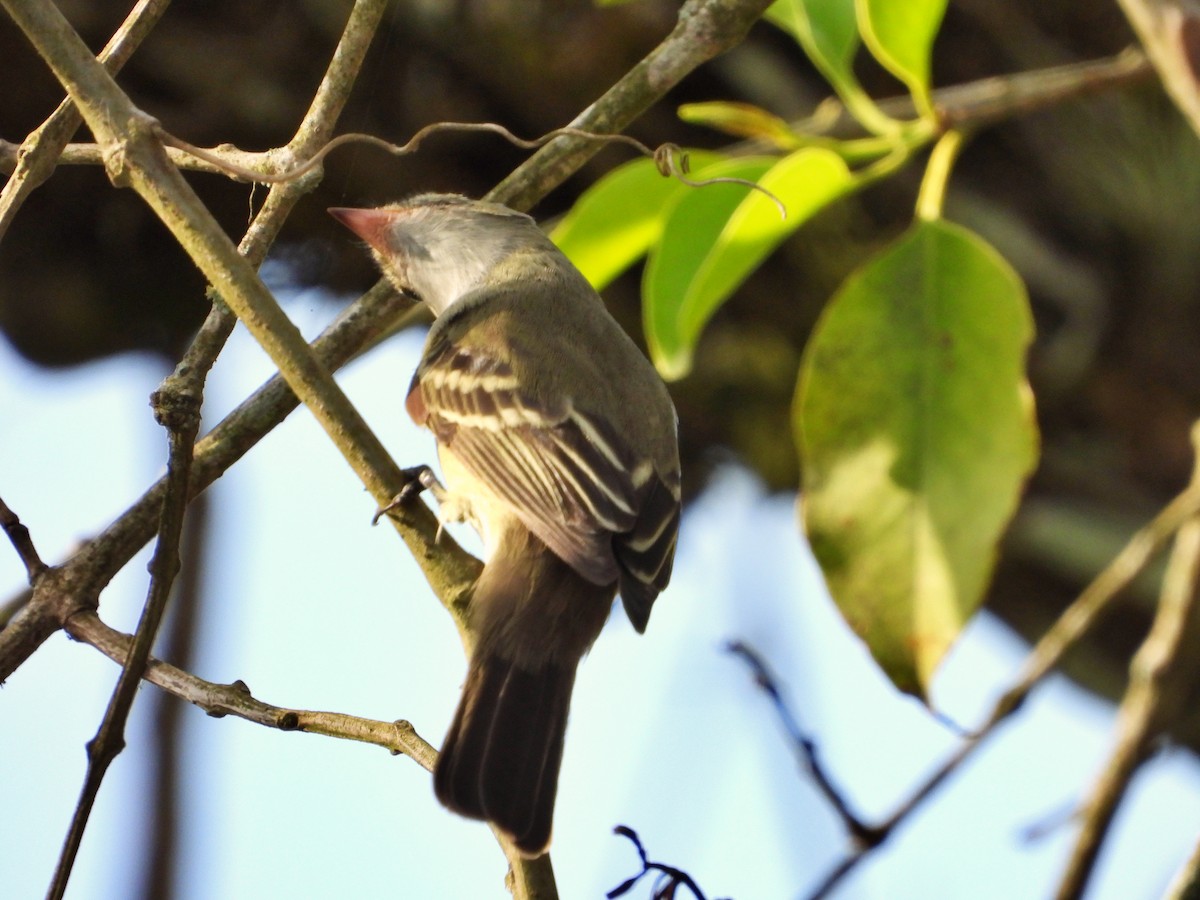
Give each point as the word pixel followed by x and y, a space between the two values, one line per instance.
pixel 864 835
pixel 62 590
pixel 180 415
pixel 1075 622
pixel 134 157
pixel 1170 32
pixel 1161 675
pixel 1186 883
pixel 35 159
pixel 977 104
pixel 22 541
pixel 166 802
pixel 235 699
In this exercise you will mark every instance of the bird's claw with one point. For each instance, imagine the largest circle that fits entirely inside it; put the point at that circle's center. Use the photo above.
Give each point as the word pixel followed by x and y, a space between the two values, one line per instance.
pixel 416 480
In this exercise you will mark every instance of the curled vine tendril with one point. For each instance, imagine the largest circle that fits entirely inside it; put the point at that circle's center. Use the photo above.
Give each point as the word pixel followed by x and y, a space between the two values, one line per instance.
pixel 670 159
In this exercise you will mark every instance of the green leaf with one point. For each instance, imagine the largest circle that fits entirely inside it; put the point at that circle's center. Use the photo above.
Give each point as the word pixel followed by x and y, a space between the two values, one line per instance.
pixel 900 33
pixel 826 30
pixel 717 235
pixel 743 120
pixel 617 219
pixel 916 431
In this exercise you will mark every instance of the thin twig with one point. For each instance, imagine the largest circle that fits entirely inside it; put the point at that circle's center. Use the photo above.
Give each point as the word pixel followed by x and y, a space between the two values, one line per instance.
pixel 1170 32
pixel 165 807
pixel 235 699
pixel 36 159
pixel 315 129
pixel 179 413
pixel 1160 675
pixel 1186 883
pixel 221 162
pixel 672 878
pixel 79 580
pixel 986 101
pixel 864 835
pixel 22 542
pixel 91 154
pixel 1075 622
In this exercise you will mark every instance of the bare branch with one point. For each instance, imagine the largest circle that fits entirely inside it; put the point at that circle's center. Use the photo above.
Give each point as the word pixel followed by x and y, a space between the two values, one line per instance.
pixel 315 129
pixel 179 413
pixel 1170 32
pixel 1072 626
pixel 232 159
pixel 37 157
pixel 977 104
pixel 22 542
pixel 864 835
pixel 166 800
pixel 75 584
pixel 235 699
pixel 671 878
pixel 1161 674
pixel 527 879
pixel 1186 883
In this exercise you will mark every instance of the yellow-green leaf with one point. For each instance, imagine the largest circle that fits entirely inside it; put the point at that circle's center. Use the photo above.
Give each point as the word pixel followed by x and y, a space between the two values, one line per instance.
pixel 827 32
pixel 915 426
pixel 900 33
pixel 717 235
pixel 617 219
pixel 744 120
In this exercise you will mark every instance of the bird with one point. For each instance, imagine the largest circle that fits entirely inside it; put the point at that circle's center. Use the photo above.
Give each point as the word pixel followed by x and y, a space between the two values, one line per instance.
pixel 558 443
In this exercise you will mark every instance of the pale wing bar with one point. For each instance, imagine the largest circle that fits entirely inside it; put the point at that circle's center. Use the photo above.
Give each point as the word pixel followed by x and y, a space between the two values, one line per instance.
pixel 569 477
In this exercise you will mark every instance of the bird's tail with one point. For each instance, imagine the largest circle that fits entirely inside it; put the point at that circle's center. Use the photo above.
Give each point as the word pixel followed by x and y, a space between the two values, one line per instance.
pixel 533 619
pixel 501 757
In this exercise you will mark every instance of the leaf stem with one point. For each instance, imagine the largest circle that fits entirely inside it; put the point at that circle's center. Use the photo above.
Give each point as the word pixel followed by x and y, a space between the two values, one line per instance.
pixel 937 175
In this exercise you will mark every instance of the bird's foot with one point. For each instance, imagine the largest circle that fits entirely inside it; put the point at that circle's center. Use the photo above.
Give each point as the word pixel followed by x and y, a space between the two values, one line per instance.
pixel 417 479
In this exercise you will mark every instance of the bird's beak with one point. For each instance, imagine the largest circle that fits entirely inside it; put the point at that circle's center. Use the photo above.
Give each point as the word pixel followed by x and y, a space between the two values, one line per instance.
pixel 369 224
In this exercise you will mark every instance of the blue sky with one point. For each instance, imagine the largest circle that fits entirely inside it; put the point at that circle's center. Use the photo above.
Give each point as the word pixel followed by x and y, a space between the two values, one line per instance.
pixel 314 608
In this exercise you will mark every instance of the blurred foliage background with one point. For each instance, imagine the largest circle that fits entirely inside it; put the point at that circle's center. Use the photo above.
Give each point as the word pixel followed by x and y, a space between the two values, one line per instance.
pixel 1096 203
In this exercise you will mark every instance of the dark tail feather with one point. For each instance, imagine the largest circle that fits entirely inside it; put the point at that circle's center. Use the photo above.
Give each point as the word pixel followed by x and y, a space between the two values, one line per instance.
pixel 501 757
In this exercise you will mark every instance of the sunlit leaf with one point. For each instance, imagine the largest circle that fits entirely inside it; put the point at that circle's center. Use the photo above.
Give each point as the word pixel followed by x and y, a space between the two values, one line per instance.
pixel 826 30
pixel 617 219
pixel 743 120
pixel 692 228
pixel 900 35
pixel 717 235
pixel 916 431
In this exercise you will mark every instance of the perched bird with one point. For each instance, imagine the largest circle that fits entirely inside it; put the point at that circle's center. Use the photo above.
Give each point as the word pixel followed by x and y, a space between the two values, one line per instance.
pixel 557 441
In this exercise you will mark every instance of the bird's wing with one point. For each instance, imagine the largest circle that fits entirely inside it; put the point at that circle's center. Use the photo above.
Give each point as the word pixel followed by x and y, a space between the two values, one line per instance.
pixel 569 478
